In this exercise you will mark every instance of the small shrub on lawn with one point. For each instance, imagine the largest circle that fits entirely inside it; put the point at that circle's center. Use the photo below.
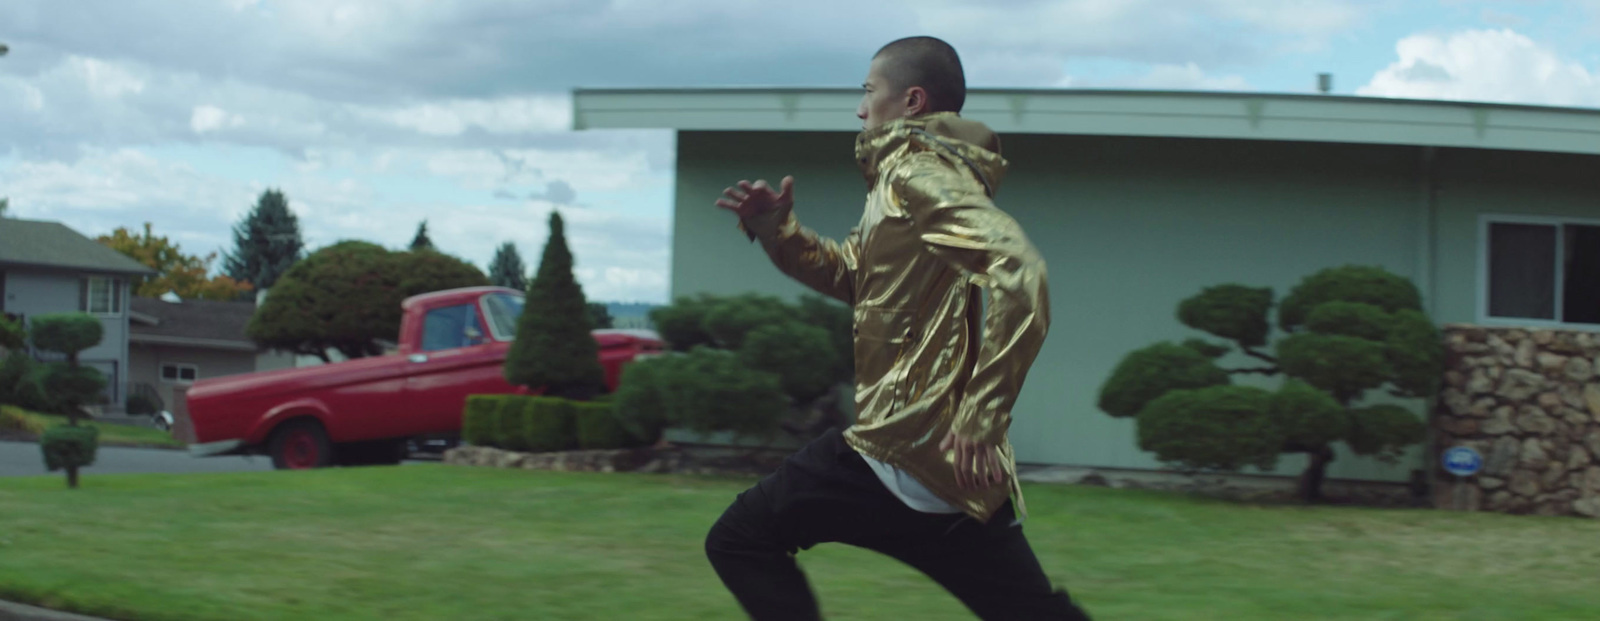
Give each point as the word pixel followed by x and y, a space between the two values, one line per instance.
pixel 511 423
pixel 480 419
pixel 552 424
pixel 69 447
pixel 598 427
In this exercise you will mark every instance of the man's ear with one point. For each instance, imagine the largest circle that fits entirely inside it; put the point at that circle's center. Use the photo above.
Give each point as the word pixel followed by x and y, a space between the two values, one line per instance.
pixel 917 101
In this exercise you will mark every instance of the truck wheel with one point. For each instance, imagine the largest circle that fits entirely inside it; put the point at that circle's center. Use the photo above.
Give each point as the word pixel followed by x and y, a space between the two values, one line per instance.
pixel 299 445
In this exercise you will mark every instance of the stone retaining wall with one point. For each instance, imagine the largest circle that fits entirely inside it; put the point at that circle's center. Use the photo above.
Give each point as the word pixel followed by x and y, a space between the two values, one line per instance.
pixel 1529 402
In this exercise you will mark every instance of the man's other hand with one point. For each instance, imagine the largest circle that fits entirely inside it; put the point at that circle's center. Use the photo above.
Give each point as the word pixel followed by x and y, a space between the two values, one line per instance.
pixel 977 465
pixel 754 199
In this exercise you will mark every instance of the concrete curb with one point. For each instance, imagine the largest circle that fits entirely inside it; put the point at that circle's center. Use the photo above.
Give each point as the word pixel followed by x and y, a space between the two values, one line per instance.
pixel 10 611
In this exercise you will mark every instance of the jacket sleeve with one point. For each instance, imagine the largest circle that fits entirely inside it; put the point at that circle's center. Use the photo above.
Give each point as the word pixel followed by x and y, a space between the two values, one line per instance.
pixel 826 266
pixel 959 223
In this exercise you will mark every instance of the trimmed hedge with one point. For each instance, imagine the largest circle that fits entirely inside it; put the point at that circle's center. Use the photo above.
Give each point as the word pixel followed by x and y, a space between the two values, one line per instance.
pixel 543 424
pixel 551 425
pixel 598 427
pixel 511 429
pixel 481 419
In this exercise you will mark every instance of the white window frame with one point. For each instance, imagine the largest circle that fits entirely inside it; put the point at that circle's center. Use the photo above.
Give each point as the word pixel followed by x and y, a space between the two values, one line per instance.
pixel 1484 318
pixel 112 296
pixel 180 367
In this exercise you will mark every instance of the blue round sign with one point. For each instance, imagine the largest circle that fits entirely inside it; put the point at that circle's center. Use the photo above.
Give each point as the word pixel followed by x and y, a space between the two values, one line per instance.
pixel 1462 461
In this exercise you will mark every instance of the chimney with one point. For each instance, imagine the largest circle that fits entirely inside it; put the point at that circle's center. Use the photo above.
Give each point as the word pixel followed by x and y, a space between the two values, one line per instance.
pixel 1324 83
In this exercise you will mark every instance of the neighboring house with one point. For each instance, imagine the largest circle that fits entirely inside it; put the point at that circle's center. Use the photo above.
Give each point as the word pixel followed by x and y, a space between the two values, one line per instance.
pixel 48 268
pixel 174 342
pixel 1139 199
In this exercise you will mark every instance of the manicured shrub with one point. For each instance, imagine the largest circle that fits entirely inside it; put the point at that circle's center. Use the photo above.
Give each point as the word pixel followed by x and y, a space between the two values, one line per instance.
pixel 639 404
pixel 799 355
pixel 69 447
pixel 1153 371
pixel 1350 330
pixel 1234 312
pixel 1218 427
pixel 480 419
pixel 710 390
pixel 512 422
pixel 67 333
pixel 551 424
pixel 598 427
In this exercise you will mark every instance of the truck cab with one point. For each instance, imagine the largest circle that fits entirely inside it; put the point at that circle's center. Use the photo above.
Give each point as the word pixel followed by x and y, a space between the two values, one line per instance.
pixel 451 344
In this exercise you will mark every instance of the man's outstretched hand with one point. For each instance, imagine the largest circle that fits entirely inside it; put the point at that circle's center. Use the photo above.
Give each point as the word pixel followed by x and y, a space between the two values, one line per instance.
pixel 977 464
pixel 754 199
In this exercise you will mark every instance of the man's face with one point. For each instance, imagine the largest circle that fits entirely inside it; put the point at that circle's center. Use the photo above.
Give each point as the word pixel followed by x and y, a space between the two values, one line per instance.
pixel 881 103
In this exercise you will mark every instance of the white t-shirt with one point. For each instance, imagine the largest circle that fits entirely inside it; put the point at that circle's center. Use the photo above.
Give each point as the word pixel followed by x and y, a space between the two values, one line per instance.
pixel 911 491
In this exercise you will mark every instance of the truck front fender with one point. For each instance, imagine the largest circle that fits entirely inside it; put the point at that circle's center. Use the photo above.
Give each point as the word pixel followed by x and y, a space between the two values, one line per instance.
pixel 297 408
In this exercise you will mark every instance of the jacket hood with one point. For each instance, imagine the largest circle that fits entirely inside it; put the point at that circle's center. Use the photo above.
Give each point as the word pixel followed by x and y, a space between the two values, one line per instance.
pixel 964 142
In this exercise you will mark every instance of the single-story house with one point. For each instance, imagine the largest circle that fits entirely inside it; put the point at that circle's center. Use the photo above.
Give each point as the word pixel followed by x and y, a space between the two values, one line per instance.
pixel 1139 199
pixel 173 342
pixel 46 268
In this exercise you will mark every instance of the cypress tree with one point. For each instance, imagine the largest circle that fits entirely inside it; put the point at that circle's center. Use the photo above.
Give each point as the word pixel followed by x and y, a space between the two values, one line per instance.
pixel 555 347
pixel 266 243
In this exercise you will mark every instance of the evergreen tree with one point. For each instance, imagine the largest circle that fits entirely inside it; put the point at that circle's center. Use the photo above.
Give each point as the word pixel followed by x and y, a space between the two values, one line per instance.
pixel 507 269
pixel 266 243
pixel 421 241
pixel 600 316
pixel 555 347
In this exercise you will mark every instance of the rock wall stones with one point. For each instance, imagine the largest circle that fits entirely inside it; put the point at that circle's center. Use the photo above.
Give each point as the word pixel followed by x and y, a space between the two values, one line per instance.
pixel 1529 402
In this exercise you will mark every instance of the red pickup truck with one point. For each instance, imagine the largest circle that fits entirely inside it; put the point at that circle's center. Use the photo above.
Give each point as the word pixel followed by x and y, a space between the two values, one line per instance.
pixel 369 410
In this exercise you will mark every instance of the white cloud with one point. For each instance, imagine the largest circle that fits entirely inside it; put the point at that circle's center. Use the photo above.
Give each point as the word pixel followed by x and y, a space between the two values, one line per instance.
pixel 211 118
pixel 103 79
pixel 1485 65
pixel 500 116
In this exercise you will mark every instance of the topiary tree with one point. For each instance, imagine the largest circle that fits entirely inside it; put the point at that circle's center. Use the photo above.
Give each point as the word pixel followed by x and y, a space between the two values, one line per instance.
pixel 346 297
pixel 555 347
pixel 806 349
pixel 1350 330
pixel 69 446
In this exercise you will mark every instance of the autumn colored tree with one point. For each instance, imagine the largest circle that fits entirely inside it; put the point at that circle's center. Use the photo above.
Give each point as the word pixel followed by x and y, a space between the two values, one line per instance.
pixel 187 275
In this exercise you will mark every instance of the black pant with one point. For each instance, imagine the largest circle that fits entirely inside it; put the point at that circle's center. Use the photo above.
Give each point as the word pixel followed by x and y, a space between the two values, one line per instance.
pixel 827 493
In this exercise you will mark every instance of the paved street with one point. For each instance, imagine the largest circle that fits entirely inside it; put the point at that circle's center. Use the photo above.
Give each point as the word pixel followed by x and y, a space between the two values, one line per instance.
pixel 23 459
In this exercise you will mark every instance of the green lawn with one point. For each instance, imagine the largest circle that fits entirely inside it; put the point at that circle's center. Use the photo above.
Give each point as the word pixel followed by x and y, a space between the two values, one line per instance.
pixel 110 434
pixel 439 542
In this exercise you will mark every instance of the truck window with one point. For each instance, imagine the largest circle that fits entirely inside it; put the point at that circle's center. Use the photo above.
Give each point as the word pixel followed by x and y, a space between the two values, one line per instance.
pixel 446 328
pixel 503 311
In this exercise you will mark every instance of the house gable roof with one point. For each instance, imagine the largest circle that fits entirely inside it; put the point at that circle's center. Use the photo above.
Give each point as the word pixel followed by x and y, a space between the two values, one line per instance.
pixel 194 323
pixel 36 243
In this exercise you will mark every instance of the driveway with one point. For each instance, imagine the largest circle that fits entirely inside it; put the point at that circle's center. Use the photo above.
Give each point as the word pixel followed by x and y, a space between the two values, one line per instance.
pixel 23 459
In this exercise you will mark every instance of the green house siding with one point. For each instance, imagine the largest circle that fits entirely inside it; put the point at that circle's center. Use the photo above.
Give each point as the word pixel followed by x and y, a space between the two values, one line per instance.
pixel 1131 226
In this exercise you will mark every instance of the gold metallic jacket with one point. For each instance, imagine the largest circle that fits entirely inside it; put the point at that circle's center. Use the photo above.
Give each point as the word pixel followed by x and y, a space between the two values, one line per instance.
pixel 928 356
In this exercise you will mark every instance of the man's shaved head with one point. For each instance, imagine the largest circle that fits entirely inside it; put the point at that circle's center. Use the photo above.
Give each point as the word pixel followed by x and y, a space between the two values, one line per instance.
pixel 927 62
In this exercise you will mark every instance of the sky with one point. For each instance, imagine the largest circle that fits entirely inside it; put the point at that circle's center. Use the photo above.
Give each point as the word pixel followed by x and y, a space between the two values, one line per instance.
pixel 374 115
